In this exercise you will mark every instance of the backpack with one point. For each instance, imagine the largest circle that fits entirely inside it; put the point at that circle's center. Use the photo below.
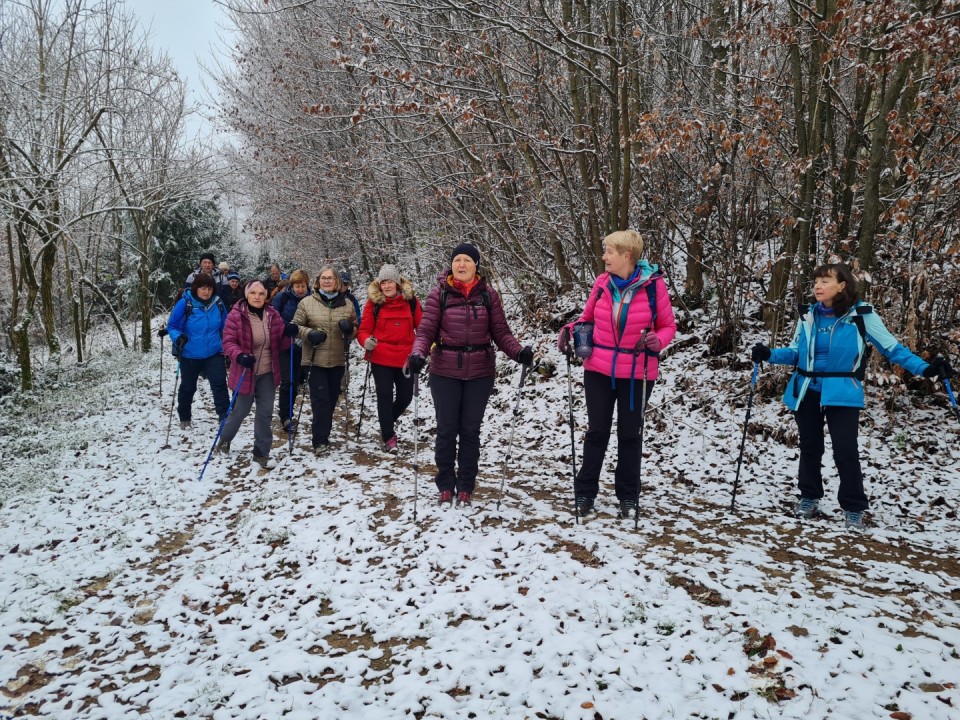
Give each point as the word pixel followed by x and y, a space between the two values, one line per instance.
pixel 217 300
pixel 861 370
pixel 445 290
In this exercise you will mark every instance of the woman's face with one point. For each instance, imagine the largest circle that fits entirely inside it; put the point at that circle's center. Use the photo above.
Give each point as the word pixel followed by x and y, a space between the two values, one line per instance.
pixel 617 263
pixel 300 289
pixel 328 281
pixel 827 288
pixel 464 268
pixel 388 288
pixel 205 292
pixel 256 297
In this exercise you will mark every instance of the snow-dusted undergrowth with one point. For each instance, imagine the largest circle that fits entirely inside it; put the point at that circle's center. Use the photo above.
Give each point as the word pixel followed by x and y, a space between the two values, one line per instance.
pixel 129 589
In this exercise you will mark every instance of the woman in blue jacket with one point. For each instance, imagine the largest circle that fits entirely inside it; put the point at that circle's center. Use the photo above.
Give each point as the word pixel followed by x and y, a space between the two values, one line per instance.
pixel 828 352
pixel 196 329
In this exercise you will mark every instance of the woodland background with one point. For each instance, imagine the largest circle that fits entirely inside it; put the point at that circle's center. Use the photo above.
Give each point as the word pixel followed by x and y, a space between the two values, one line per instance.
pixel 748 141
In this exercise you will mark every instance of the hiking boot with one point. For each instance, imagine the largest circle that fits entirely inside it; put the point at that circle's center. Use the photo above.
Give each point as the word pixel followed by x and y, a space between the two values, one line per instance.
pixel 264 462
pixel 446 497
pixel 853 520
pixel 628 508
pixel 807 508
pixel 287 424
pixel 390 445
pixel 223 447
pixel 185 424
pixel 463 498
pixel 584 505
pixel 321 449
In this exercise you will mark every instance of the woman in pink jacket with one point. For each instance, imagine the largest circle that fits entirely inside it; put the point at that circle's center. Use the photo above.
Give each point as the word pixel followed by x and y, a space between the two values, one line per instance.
pixel 632 322
pixel 253 338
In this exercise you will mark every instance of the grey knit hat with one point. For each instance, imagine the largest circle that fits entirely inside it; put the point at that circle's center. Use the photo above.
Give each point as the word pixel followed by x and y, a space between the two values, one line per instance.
pixel 389 272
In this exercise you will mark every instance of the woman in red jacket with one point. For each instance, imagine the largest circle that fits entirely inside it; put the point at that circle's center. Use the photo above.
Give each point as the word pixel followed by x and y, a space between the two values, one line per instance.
pixel 388 323
pixel 463 319
pixel 253 338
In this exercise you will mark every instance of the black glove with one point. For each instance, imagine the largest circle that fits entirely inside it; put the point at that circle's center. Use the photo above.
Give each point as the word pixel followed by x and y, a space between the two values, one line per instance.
pixel 291 330
pixel 525 356
pixel 316 337
pixel 939 368
pixel 163 332
pixel 415 363
pixel 247 361
pixel 346 327
pixel 178 345
pixel 760 353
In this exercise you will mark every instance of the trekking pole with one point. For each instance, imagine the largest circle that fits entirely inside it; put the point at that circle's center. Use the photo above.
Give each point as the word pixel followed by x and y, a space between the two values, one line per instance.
pixel 346 393
pixel 643 422
pixel 743 440
pixel 173 400
pixel 161 333
pixel 222 423
pixel 303 394
pixel 513 427
pixel 573 442
pixel 363 399
pixel 953 400
pixel 291 391
pixel 416 442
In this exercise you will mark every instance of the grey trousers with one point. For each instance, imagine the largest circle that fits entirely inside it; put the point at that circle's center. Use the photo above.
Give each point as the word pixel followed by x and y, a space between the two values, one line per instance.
pixel 264 393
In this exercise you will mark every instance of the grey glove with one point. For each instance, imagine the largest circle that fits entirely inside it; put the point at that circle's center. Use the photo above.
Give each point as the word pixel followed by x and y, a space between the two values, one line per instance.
pixel 370 345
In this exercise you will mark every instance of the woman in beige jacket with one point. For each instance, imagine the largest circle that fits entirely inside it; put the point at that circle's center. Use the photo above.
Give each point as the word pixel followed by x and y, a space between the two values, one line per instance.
pixel 327 321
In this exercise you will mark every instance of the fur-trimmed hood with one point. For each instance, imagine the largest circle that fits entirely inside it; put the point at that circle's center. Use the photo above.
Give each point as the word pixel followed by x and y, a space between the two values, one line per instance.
pixel 375 294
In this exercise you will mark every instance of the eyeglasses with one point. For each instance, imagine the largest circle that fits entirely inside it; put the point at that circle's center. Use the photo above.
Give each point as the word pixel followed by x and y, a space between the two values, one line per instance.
pixel 327 278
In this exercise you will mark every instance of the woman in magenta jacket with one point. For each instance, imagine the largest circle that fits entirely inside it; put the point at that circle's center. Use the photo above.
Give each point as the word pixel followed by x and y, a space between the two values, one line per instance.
pixel 462 320
pixel 253 338
pixel 387 326
pixel 632 322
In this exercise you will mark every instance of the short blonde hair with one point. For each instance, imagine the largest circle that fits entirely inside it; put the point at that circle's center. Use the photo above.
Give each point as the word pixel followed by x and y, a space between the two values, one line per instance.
pixel 625 241
pixel 299 276
pixel 331 268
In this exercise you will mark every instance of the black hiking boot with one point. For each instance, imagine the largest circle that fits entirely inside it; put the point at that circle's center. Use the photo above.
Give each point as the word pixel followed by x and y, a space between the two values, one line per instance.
pixel 628 509
pixel 583 505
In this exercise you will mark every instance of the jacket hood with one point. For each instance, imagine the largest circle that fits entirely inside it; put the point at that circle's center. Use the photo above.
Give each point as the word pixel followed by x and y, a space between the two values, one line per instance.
pixel 376 296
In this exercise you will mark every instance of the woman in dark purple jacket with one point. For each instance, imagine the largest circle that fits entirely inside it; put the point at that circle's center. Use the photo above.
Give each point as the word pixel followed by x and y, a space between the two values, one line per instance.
pixel 464 318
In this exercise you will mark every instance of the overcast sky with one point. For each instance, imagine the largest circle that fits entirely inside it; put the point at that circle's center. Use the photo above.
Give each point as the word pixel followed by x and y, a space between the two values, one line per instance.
pixel 190 31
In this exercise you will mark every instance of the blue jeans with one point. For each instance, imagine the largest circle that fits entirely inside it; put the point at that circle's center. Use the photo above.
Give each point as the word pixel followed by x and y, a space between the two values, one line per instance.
pixel 190 369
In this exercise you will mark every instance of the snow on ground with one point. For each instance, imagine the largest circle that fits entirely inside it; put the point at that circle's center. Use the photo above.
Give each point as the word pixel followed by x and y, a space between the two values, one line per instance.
pixel 130 589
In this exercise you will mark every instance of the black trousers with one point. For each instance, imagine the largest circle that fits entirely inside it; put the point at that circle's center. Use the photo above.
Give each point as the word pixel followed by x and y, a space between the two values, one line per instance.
pixel 324 392
pixel 460 405
pixel 287 393
pixel 390 406
pixel 843 424
pixel 216 372
pixel 601 399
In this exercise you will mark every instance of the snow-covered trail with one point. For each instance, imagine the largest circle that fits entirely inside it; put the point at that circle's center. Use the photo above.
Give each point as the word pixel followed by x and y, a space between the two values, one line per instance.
pixel 131 590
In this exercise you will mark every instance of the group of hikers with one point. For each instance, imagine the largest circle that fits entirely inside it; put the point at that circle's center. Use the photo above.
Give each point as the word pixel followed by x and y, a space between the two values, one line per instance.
pixel 627 321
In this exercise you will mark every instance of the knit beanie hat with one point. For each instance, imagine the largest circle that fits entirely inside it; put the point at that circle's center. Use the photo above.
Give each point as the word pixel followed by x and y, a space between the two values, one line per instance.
pixel 466 249
pixel 389 272
pixel 251 286
pixel 208 256
pixel 233 276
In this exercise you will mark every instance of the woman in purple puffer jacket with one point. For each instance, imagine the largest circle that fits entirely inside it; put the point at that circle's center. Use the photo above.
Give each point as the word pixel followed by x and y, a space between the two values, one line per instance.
pixel 632 322
pixel 463 318
pixel 253 338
